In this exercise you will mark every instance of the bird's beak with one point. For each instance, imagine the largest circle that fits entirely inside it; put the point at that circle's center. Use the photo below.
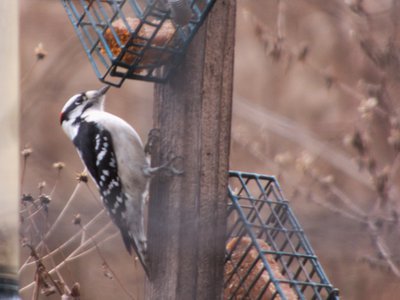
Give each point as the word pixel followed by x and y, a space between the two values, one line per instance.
pixel 103 90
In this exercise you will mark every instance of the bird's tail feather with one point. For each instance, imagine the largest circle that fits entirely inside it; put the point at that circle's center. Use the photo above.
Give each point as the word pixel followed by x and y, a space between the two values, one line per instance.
pixel 138 246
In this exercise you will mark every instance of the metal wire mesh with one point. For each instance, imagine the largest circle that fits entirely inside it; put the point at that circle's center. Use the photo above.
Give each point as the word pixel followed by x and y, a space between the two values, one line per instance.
pixel 268 255
pixel 135 39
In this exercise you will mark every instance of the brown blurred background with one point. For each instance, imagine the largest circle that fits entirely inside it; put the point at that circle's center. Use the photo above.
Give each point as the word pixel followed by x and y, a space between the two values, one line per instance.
pixel 315 104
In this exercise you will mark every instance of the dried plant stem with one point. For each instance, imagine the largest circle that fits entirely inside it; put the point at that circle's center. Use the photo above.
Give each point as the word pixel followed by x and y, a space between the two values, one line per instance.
pixel 35 294
pixel 41 274
pixel 71 255
pixel 83 237
pixel 61 215
pixel 109 268
pixel 280 21
pixel 94 195
pixel 51 229
pixel 23 171
pixel 29 72
pixel 347 201
pixel 370 221
pixel 294 132
pixel 89 240
pixel 395 166
pixel 382 248
pixel 83 253
pixel 267 34
pixel 68 242
pixel 31 214
pixel 56 182
pixel 59 275
pixel 344 213
pixel 33 223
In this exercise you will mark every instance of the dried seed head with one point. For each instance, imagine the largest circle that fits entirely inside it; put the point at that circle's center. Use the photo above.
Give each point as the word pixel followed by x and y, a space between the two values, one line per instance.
pixel 76 290
pixel 394 139
pixel 381 181
pixel 82 177
pixel 367 107
pixel 26 152
pixel 371 89
pixel 395 122
pixel 328 179
pixel 59 165
pixel 41 185
pixel 303 52
pixel 348 140
pixel 44 199
pixel 40 52
pixel 329 80
pixel 283 159
pixel 371 164
pixel 304 162
pixel 106 271
pixel 358 143
pixel 27 198
pixel 77 219
pixel 355 6
pixel 276 50
pixel 258 31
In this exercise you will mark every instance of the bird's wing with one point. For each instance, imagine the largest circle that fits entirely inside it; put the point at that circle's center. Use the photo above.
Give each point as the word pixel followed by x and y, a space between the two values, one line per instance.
pixel 100 159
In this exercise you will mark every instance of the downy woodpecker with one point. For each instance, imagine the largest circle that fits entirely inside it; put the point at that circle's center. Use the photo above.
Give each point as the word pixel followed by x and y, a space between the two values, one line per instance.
pixel 112 152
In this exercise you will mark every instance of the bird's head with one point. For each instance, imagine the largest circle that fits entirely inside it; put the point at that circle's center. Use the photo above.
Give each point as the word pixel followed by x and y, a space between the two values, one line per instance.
pixel 79 105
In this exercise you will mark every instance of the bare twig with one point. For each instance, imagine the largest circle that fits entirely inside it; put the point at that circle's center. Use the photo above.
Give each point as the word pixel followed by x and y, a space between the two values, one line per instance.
pixel 342 212
pixel 42 275
pixel 69 241
pixel 280 21
pixel 109 268
pixel 346 200
pixel 382 248
pixel 61 215
pixel 293 131
pixel 70 257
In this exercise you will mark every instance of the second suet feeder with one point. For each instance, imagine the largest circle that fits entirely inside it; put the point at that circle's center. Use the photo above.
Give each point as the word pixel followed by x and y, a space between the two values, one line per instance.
pixel 136 39
pixel 268 256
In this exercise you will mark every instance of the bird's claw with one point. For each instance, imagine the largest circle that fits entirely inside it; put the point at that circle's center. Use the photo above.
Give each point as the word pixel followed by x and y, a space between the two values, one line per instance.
pixel 166 167
pixel 170 165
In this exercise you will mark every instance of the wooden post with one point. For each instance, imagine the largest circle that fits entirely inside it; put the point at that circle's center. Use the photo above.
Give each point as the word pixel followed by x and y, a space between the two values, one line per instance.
pixel 187 214
pixel 9 149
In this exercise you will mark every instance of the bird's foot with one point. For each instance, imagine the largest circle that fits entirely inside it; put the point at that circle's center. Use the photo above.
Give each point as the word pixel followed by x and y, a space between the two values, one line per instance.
pixel 170 167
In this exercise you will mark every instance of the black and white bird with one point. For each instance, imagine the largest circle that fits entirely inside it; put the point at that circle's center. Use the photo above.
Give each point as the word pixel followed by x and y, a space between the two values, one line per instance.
pixel 113 153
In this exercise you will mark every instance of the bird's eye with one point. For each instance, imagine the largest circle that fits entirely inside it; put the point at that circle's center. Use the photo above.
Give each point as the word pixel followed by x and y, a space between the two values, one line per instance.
pixel 80 100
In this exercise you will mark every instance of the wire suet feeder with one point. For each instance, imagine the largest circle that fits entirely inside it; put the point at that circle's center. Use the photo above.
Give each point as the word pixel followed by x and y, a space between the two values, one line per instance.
pixel 136 39
pixel 268 255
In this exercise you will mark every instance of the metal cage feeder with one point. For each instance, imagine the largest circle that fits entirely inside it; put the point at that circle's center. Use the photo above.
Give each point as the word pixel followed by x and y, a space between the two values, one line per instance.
pixel 136 39
pixel 268 255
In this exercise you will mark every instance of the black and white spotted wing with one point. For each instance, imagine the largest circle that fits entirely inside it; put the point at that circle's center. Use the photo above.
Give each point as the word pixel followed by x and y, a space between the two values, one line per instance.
pixel 97 152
